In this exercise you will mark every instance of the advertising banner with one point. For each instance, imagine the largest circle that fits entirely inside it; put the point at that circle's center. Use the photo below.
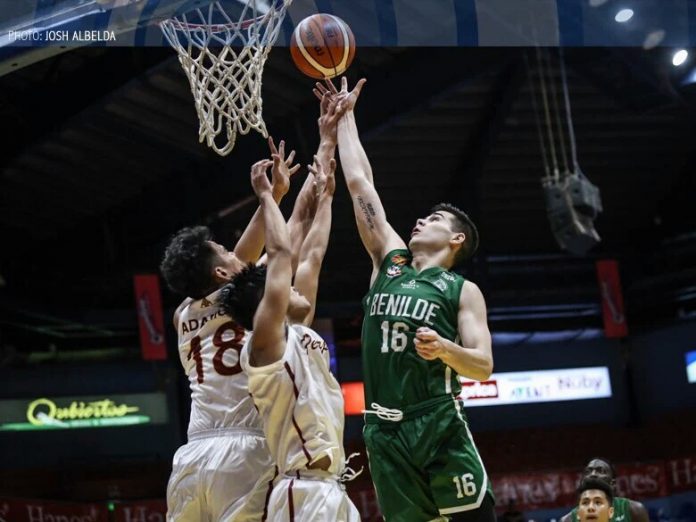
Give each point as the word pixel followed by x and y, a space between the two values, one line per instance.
pixel 98 411
pixel 568 384
pixel 148 303
pixel 25 510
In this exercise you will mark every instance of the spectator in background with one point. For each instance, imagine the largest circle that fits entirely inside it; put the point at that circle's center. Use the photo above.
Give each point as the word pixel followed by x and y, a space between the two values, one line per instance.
pixel 625 510
pixel 595 499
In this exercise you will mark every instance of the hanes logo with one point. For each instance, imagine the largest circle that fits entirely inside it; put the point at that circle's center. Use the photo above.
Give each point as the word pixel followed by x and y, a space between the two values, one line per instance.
pixel 411 285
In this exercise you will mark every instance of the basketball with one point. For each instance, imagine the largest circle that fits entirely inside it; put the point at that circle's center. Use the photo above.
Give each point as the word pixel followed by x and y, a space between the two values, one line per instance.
pixel 322 46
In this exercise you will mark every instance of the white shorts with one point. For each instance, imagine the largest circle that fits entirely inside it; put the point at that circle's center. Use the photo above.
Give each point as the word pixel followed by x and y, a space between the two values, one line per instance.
pixel 220 476
pixel 310 500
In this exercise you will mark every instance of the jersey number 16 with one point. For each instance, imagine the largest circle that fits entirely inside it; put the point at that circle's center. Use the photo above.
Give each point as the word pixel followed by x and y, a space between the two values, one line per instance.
pixel 394 336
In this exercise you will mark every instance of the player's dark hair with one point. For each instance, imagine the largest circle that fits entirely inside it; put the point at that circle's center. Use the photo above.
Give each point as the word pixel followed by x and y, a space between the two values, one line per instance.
pixel 241 296
pixel 463 223
pixel 187 265
pixel 608 463
pixel 594 483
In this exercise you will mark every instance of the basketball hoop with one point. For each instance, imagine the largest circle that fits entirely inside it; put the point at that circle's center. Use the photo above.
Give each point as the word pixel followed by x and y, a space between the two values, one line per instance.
pixel 226 83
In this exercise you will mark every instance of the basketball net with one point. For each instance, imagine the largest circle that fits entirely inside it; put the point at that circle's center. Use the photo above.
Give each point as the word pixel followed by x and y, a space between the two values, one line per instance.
pixel 226 83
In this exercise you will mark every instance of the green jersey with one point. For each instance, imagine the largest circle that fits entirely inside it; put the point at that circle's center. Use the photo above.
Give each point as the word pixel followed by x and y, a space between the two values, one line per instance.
pixel 400 301
pixel 622 511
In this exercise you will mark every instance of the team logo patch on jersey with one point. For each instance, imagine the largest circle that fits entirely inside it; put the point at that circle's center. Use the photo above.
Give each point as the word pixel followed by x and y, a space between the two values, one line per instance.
pixel 440 284
pixel 399 260
pixel 393 271
pixel 205 303
pixel 411 285
pixel 448 276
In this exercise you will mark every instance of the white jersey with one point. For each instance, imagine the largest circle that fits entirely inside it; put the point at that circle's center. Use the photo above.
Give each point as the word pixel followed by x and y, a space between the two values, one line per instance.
pixel 209 347
pixel 300 402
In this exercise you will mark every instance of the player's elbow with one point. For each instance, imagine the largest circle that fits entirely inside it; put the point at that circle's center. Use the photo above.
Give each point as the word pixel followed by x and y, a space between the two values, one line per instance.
pixel 486 369
pixel 356 180
pixel 281 251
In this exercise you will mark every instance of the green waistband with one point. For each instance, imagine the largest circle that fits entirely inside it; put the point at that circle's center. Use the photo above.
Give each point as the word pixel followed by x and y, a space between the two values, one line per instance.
pixel 412 411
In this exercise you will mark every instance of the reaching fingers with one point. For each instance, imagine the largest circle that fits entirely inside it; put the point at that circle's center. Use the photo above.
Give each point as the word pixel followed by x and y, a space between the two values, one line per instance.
pixel 330 178
pixel 294 169
pixel 344 84
pixel 291 157
pixel 315 168
pixel 330 86
pixel 281 149
pixel 358 86
pixel 325 102
pixel 271 145
pixel 261 164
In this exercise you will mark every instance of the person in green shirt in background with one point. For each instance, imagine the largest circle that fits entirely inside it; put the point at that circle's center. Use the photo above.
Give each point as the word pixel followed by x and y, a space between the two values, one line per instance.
pixel 595 501
pixel 625 510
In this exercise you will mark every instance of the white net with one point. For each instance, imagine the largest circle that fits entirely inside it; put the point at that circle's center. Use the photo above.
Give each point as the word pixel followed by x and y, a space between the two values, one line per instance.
pixel 223 55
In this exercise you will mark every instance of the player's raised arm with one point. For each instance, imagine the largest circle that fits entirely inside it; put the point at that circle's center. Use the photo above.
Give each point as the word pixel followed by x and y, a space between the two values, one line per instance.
pixel 268 340
pixel 250 245
pixel 314 246
pixel 376 233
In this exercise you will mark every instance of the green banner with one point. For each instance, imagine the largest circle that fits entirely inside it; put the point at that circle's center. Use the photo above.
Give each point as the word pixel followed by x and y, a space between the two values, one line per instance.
pixel 105 411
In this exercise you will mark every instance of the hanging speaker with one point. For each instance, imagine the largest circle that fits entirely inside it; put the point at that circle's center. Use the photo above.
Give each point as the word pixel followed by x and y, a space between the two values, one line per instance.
pixel 571 205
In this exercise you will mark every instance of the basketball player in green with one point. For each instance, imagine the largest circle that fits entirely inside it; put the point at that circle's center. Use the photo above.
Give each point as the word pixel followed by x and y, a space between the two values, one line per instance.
pixel 424 325
pixel 595 501
pixel 625 510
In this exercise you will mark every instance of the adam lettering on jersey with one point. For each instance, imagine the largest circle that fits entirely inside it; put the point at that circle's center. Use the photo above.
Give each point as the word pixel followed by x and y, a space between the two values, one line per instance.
pixel 404 306
pixel 194 324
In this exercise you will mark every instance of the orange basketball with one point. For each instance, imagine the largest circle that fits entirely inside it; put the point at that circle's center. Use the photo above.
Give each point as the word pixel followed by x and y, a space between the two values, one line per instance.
pixel 322 46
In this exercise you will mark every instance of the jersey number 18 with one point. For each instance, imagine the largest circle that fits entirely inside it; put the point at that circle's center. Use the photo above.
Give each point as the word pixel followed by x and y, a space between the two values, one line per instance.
pixel 231 344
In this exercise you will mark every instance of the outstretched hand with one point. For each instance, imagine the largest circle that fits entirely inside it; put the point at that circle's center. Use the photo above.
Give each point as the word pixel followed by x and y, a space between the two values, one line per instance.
pixel 324 181
pixel 346 99
pixel 259 179
pixel 282 169
pixel 328 116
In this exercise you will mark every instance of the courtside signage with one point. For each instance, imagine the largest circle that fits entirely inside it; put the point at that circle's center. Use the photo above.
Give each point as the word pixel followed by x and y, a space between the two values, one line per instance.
pixel 56 413
pixel 569 384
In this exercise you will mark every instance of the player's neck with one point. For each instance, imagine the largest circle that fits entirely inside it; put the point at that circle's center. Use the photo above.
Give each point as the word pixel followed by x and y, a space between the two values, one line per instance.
pixel 424 260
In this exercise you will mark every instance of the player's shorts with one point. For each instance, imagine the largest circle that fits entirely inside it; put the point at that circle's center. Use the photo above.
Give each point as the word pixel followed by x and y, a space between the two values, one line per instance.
pixel 426 466
pixel 315 499
pixel 221 475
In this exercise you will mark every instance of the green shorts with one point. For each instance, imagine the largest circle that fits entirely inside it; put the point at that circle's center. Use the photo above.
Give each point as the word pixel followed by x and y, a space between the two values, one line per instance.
pixel 426 467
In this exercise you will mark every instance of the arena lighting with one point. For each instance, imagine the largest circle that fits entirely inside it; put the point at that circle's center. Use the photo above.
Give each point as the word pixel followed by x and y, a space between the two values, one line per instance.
pixel 653 39
pixel 597 3
pixel 679 57
pixel 624 15
pixel 689 79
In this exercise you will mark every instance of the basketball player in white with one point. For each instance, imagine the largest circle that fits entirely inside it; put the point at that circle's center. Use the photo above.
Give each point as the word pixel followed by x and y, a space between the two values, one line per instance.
pixel 298 398
pixel 224 471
